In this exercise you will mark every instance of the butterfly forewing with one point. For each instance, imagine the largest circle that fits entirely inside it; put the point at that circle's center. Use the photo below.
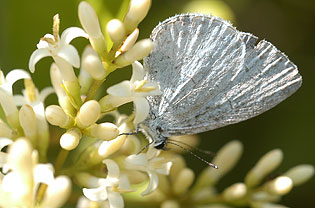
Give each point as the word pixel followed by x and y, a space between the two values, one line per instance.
pixel 212 75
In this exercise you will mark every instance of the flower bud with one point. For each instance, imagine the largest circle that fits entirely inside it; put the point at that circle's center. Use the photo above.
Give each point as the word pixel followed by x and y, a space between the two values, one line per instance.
pixel 300 174
pixel 92 63
pixel 279 186
pixel 267 205
pixel 225 159
pixel 70 139
pixel 88 114
pixel 204 193
pixel 264 196
pixel 28 122
pixel 8 105
pixel 91 25
pixel 191 140
pixel 138 9
pixel 264 166
pixel 85 80
pixel 235 192
pixel 136 177
pixel 5 130
pixel 170 204
pixel 57 117
pixel 103 131
pixel 130 41
pixel 178 165
pixel 140 50
pixel 116 31
pixel 56 80
pixel 110 147
pixel 184 180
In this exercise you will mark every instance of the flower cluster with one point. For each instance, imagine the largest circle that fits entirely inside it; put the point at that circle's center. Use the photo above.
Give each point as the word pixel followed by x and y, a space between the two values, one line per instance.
pixel 110 168
pixel 179 189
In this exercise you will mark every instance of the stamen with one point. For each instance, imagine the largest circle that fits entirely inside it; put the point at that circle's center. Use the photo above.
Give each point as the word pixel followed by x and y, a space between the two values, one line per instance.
pixel 139 87
pixel 49 40
pixel 140 84
pixel 56 27
pixel 30 90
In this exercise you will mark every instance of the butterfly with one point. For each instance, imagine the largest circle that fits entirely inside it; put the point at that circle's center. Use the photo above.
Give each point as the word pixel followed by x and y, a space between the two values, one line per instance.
pixel 211 75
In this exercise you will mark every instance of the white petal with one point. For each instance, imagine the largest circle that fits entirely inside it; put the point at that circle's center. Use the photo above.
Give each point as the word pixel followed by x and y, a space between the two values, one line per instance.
pixel 157 90
pixel 136 160
pixel 19 100
pixel 94 182
pixel 152 152
pixel 4 142
pixel 57 193
pixel 3 159
pixel 7 103
pixel 44 173
pixel 36 56
pixel 70 54
pixel 137 72
pixel 113 171
pixel 121 89
pixel 142 109
pixel 71 33
pixel 97 194
pixel 43 43
pixel 83 202
pixel 45 93
pixel 11 182
pixel 154 182
pixel 115 200
pixel 165 168
pixel 124 183
pixel 16 75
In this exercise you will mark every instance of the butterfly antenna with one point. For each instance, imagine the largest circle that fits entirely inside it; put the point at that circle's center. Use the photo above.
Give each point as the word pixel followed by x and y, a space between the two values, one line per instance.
pixel 130 133
pixel 146 146
pixel 207 152
pixel 187 150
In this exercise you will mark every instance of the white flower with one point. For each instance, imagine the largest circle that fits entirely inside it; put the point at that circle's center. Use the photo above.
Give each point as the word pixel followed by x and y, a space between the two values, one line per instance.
pixel 150 163
pixel 36 99
pixel 108 188
pixel 134 90
pixel 7 82
pixel 64 54
pixel 6 95
pixel 19 186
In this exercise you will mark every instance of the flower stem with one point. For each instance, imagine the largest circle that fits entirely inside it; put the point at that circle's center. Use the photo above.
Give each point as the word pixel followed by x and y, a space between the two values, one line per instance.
pixel 61 158
pixel 93 89
pixel 97 83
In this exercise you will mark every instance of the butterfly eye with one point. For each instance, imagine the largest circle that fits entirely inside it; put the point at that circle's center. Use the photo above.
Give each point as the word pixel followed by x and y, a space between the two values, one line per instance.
pixel 159 129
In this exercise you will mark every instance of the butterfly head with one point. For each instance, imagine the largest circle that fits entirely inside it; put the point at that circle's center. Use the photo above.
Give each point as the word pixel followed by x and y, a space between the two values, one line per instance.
pixel 160 143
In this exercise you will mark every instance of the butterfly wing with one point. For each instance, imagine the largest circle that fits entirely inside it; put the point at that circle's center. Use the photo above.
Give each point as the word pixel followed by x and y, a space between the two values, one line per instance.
pixel 212 75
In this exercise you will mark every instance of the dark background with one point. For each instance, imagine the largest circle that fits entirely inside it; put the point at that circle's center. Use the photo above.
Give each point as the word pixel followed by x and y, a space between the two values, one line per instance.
pixel 288 24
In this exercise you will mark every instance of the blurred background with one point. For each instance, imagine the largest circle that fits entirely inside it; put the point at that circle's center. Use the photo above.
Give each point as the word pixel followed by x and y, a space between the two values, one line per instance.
pixel 288 24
